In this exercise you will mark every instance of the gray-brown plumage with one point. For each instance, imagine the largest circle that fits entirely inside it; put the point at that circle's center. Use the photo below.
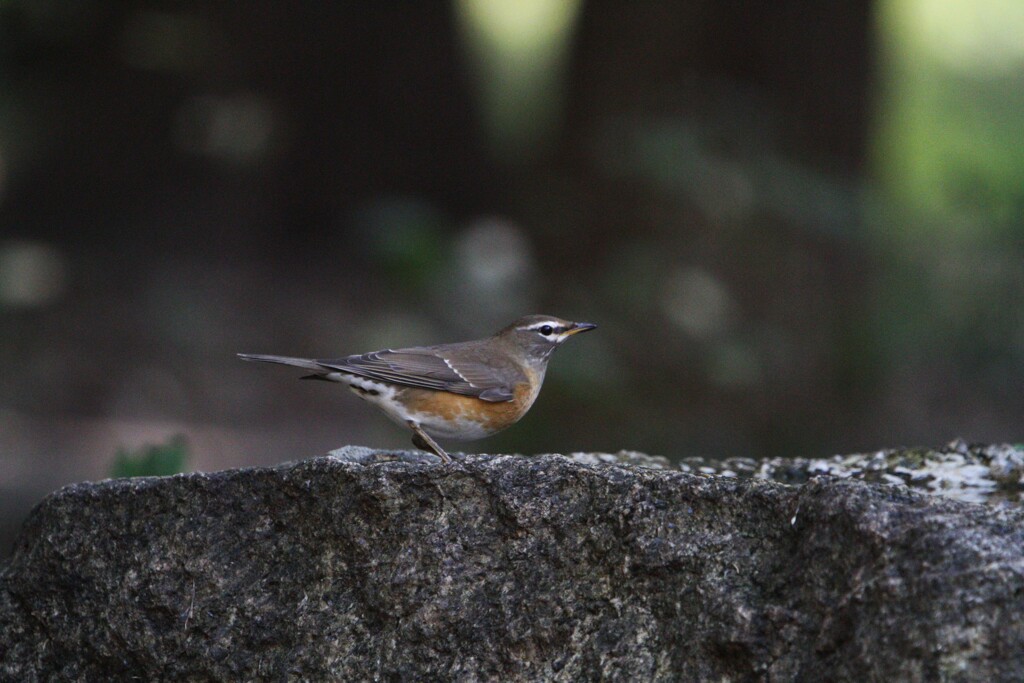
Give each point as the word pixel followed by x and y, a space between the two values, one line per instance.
pixel 445 390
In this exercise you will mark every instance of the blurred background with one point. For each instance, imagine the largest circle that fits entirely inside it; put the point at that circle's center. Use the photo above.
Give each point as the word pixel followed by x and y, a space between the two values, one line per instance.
pixel 800 226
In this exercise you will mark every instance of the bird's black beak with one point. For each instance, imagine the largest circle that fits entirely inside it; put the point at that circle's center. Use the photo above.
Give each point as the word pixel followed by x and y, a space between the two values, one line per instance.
pixel 581 327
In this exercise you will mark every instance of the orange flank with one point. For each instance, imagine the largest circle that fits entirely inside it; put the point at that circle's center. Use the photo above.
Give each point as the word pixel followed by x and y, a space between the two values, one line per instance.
pixel 492 416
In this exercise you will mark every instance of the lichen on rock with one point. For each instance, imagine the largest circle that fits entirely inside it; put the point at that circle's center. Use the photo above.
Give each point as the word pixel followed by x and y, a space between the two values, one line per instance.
pixel 976 473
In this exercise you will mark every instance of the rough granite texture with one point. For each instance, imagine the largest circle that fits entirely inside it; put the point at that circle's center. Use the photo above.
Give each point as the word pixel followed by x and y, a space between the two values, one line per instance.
pixel 377 566
pixel 976 473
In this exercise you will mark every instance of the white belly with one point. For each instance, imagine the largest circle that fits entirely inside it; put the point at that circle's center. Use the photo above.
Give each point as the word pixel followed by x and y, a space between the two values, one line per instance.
pixel 383 396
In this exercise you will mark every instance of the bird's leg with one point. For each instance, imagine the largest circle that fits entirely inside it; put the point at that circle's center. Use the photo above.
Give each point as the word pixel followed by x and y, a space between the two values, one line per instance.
pixel 422 441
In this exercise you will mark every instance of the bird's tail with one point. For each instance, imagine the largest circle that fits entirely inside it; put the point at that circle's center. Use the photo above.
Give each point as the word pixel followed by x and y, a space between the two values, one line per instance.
pixel 307 363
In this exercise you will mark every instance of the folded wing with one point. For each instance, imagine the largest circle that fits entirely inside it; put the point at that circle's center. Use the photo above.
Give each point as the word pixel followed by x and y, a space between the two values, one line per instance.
pixel 427 369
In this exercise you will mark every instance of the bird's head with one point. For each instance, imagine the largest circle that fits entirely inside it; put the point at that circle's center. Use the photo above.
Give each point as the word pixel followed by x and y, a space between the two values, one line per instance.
pixel 537 336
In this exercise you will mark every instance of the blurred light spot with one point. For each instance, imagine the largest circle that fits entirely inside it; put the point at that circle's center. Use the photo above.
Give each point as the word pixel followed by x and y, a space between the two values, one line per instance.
pixel 495 253
pixel 736 365
pixel 980 36
pixel 520 26
pixel 517 51
pixel 494 273
pixel 698 303
pixel 947 147
pixel 162 41
pixel 31 274
pixel 235 129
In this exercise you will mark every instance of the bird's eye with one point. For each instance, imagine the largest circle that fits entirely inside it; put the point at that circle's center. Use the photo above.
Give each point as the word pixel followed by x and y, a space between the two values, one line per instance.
pixel 546 330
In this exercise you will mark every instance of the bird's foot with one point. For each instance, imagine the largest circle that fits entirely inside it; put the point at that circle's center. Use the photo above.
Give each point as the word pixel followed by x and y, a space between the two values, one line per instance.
pixel 422 441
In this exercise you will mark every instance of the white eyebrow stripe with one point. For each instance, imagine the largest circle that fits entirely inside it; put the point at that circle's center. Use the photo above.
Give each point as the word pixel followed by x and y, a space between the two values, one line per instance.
pixel 546 323
pixel 456 371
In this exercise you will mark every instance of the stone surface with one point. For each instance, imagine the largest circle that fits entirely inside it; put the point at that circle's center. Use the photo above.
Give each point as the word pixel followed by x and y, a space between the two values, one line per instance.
pixel 388 566
pixel 976 473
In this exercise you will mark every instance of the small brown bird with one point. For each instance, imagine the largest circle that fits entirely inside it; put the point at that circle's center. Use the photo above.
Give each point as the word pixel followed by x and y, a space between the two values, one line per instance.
pixel 463 391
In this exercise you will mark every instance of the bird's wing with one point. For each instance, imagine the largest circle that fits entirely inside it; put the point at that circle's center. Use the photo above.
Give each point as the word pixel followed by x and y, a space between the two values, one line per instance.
pixel 428 368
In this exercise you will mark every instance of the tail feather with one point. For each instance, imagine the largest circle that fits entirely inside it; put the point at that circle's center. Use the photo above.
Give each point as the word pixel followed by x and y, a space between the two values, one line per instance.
pixel 307 363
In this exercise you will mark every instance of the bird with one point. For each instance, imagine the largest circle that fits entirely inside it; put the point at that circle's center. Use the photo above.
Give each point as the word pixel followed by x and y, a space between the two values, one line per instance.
pixel 462 391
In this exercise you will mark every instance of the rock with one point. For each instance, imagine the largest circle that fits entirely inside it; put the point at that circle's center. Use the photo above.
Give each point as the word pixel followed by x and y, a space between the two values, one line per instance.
pixel 367 565
pixel 976 473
